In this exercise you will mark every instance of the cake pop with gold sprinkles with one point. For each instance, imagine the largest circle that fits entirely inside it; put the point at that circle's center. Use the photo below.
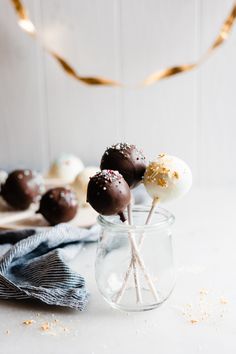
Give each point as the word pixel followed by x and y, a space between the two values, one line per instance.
pixel 167 178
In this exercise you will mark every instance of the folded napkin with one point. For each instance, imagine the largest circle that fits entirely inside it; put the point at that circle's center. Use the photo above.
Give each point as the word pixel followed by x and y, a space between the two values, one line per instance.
pixel 34 265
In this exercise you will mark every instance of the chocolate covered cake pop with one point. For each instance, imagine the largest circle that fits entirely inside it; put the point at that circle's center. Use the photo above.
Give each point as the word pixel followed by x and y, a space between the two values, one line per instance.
pixel 108 193
pixel 128 160
pixel 58 205
pixel 21 188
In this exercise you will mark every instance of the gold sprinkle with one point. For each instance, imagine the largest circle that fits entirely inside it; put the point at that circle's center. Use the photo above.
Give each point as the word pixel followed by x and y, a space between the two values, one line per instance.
pixel 28 322
pixel 161 182
pixel 162 155
pixel 194 321
pixel 223 301
pixel 45 326
pixel 203 292
pixel 164 170
pixel 176 175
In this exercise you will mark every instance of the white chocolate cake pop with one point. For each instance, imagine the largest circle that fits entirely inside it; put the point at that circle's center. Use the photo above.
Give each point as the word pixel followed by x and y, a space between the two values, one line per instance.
pixel 80 183
pixel 167 178
pixel 66 167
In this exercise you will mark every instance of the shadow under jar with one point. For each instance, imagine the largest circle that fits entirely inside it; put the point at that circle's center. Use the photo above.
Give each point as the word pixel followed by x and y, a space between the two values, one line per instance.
pixel 116 274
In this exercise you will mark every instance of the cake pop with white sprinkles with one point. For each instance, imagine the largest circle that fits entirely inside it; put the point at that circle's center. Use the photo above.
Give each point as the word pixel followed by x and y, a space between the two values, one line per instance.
pixel 58 205
pixel 21 188
pixel 128 160
pixel 108 193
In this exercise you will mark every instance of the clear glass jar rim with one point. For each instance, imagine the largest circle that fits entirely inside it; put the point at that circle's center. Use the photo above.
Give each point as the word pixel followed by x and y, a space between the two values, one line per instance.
pixel 168 220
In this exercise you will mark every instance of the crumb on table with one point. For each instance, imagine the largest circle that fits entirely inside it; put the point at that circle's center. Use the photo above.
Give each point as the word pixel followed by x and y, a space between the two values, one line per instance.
pixel 45 326
pixel 28 322
pixel 223 301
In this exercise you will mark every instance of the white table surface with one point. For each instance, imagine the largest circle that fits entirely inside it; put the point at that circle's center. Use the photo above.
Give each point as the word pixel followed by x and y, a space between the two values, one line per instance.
pixel 204 246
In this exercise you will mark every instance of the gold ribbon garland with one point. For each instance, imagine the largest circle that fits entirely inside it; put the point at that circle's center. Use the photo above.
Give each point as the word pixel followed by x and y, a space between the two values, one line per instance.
pixel 27 25
pixel 220 39
pixel 86 80
pixel 23 21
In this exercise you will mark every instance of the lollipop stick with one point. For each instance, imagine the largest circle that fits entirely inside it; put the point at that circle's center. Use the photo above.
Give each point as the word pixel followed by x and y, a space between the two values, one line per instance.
pixel 127 275
pixel 154 204
pixel 144 269
pixel 130 216
pixel 133 261
pixel 149 218
pixel 142 266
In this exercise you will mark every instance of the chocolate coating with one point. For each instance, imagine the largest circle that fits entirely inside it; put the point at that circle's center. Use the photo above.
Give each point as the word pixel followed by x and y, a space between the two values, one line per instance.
pixel 126 159
pixel 108 193
pixel 58 205
pixel 21 188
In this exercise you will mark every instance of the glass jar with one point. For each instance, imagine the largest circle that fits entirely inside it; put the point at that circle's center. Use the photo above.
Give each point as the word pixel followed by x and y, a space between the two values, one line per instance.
pixel 134 263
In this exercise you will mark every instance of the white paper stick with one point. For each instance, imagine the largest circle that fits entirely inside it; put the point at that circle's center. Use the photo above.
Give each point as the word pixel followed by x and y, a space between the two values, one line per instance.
pixel 126 278
pixel 149 218
pixel 133 261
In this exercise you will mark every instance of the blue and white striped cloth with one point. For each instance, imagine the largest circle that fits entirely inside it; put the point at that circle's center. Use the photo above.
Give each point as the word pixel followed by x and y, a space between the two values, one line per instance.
pixel 33 264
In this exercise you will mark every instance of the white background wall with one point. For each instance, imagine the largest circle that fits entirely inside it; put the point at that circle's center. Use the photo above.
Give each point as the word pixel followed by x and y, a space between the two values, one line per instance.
pixel 43 112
